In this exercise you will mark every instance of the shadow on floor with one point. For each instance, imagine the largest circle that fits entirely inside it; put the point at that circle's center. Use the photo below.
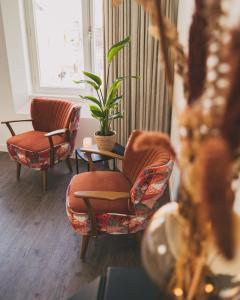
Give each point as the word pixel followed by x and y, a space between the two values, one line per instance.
pixel 39 252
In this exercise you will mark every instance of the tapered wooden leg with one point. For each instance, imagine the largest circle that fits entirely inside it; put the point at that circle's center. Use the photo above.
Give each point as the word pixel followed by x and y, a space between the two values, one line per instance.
pixel 84 245
pixel 76 161
pixel 68 162
pixel 18 170
pixel 44 178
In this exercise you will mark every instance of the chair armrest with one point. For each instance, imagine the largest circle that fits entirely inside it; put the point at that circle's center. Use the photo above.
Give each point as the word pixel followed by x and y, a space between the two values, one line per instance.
pixel 50 135
pixel 15 121
pixel 102 195
pixel 56 132
pixel 7 123
pixel 103 153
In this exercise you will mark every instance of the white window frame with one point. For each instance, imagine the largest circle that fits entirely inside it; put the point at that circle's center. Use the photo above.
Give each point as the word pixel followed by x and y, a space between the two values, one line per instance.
pixel 87 15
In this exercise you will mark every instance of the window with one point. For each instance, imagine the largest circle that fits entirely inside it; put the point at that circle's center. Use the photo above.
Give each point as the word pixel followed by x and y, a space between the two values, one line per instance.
pixel 64 37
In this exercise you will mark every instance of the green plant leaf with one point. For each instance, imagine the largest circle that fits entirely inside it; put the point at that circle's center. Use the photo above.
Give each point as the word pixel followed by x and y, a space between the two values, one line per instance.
pixel 93 84
pixel 96 112
pixel 115 101
pixel 116 48
pixel 94 77
pixel 93 99
pixel 113 92
pixel 117 115
pixel 114 87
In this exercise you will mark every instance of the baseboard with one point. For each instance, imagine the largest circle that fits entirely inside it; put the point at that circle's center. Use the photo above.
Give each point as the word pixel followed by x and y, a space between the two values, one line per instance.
pixel 3 147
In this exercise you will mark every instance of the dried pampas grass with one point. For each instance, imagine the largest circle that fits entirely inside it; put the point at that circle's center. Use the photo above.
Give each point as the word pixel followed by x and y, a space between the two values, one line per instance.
pixel 231 120
pixel 214 170
pixel 197 52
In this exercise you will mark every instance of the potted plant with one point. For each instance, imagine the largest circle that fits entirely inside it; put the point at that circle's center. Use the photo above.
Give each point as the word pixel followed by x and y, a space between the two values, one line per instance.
pixel 105 104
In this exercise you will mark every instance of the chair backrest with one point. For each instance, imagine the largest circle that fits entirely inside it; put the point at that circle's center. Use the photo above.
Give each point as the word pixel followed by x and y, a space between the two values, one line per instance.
pixel 134 162
pixel 149 172
pixel 51 114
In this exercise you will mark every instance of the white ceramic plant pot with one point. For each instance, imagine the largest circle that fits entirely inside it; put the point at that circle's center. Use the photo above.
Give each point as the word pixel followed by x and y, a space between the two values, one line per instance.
pixel 107 142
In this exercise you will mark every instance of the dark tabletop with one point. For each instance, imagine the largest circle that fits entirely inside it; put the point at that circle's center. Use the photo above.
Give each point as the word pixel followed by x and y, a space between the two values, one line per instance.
pixel 118 149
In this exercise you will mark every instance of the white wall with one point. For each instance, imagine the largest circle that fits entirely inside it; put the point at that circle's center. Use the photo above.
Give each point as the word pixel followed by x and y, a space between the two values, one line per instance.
pixel 6 99
pixel 15 39
pixel 185 12
pixel 8 108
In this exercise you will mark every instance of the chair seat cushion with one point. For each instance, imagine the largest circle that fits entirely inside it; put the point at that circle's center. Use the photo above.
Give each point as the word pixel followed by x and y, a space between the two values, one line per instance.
pixel 34 141
pixel 99 181
pixel 33 150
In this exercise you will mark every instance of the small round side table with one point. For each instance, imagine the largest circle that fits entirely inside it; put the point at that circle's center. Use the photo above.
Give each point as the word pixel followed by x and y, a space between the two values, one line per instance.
pixel 118 149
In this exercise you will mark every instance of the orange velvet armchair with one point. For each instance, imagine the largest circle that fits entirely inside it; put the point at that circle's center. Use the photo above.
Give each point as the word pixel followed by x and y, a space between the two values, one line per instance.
pixel 55 124
pixel 119 202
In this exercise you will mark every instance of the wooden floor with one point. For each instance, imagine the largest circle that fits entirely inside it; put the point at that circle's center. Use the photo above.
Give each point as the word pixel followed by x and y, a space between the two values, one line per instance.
pixel 39 252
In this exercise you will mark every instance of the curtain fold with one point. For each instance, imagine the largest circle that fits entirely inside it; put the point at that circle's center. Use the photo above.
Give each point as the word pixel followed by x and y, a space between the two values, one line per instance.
pixel 147 101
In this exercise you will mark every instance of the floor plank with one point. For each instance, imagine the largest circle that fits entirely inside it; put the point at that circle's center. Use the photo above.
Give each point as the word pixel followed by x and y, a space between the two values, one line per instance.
pixel 39 252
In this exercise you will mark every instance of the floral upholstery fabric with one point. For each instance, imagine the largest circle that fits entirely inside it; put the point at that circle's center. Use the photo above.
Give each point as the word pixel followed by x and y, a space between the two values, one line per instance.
pixel 146 196
pixel 109 223
pixel 40 160
pixel 149 188
pixel 73 127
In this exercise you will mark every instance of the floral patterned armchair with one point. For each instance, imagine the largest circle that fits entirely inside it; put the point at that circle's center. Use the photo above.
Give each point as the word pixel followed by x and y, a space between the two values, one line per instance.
pixel 55 124
pixel 119 202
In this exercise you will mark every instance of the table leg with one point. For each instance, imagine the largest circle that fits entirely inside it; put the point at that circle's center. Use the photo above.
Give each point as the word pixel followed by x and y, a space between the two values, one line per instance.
pixel 106 164
pixel 76 160
pixel 114 164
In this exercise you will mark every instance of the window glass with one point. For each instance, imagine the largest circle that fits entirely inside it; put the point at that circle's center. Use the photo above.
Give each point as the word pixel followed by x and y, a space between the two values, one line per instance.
pixel 59 38
pixel 98 37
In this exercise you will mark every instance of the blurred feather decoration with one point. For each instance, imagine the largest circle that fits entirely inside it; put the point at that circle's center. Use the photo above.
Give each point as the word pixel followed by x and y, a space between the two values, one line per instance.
pixel 215 162
pixel 230 126
pixel 197 52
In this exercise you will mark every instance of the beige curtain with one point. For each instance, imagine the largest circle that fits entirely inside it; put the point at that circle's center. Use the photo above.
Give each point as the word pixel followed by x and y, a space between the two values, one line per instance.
pixel 146 102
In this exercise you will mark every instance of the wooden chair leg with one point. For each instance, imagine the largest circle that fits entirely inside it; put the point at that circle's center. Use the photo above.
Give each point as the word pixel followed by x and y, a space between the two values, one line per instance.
pixel 139 236
pixel 84 245
pixel 18 170
pixel 68 162
pixel 76 161
pixel 44 178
